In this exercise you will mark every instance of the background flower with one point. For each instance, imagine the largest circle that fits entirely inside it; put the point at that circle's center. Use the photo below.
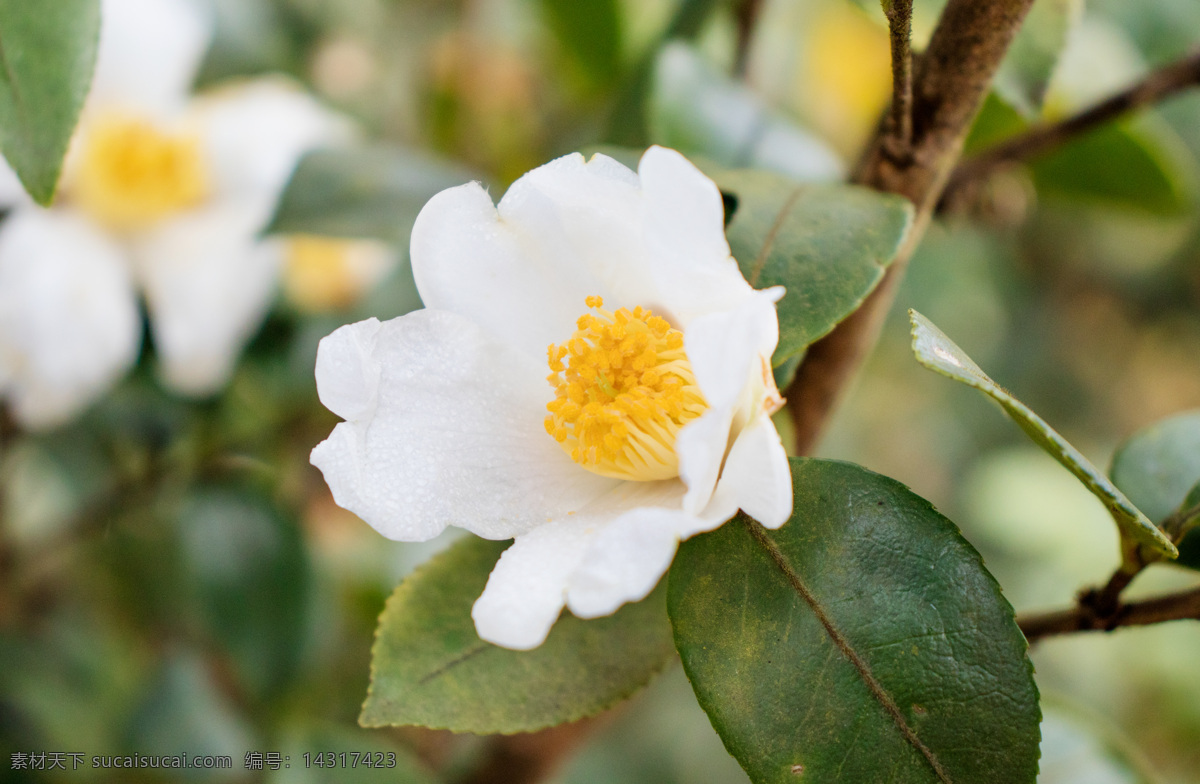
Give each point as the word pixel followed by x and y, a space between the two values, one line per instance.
pixel 161 192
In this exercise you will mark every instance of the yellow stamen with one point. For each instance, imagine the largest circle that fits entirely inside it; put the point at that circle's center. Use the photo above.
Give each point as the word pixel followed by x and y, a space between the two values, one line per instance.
pixel 624 391
pixel 133 173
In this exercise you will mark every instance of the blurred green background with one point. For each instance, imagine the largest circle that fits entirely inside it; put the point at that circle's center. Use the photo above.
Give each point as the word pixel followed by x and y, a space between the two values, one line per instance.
pixel 174 576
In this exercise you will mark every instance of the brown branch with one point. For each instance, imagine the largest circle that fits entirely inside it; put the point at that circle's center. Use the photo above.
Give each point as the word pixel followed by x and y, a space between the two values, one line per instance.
pixel 1172 607
pixel 746 15
pixel 899 16
pixel 951 80
pixel 1160 84
pixel 532 757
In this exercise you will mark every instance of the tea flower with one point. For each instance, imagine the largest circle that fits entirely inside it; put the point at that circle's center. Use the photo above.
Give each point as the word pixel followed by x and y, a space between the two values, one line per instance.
pixel 591 375
pixel 161 192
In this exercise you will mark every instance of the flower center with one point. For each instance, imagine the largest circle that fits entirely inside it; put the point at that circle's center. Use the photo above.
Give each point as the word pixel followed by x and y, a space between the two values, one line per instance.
pixel 623 393
pixel 132 173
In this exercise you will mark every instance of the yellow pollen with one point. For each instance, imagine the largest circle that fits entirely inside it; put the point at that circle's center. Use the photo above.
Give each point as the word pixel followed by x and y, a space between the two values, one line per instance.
pixel 623 387
pixel 133 173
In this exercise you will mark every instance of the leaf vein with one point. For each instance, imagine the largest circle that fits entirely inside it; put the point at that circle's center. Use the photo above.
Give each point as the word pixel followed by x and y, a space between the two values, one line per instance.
pixel 874 686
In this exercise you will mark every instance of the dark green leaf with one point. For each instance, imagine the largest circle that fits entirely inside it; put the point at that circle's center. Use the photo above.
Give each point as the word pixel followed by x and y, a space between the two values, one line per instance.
pixel 1140 165
pixel 186 710
pixel 590 33
pixel 1026 70
pixel 430 668
pixel 47 52
pixel 939 353
pixel 698 110
pixel 366 192
pixel 863 641
pixel 827 244
pixel 251 578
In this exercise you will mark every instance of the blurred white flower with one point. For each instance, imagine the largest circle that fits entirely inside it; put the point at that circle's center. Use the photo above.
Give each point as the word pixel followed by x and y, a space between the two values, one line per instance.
pixel 161 192
pixel 655 424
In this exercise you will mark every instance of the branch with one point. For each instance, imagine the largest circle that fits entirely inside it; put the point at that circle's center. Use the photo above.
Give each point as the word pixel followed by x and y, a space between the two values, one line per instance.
pixel 899 16
pixel 1158 85
pixel 746 14
pixel 950 83
pixel 533 757
pixel 1171 607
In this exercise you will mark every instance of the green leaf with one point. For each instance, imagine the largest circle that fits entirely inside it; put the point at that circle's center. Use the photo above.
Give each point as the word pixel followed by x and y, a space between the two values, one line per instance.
pixel 1026 70
pixel 365 192
pixel 429 667
pixel 697 109
pixel 590 33
pixel 1138 164
pixel 862 641
pixel 997 120
pixel 1159 464
pixel 939 353
pixel 250 578
pixel 827 244
pixel 1158 468
pixel 627 121
pixel 47 52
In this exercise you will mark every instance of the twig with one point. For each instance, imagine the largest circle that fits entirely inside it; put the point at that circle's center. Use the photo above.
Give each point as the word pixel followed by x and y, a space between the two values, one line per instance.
pixel 1155 87
pixel 746 15
pixel 1171 607
pixel 529 758
pixel 899 16
pixel 949 85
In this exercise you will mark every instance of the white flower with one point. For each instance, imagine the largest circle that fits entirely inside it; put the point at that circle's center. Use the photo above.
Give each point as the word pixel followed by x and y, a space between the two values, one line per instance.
pixel 161 192
pixel 446 408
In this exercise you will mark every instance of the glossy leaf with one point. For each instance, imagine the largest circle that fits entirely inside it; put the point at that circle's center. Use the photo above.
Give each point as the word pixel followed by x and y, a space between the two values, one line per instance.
pixel 697 109
pixel 429 667
pixel 1026 70
pixel 48 49
pixel 365 192
pixel 862 641
pixel 937 352
pixel 827 244
pixel 1140 165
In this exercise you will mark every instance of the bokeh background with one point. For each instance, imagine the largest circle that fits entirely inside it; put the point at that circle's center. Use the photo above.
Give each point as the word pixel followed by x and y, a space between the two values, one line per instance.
pixel 174 576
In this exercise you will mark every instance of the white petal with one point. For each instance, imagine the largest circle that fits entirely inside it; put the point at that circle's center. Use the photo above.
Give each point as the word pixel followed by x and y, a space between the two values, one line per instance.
pixel 701 446
pixel 627 557
pixel 348 371
pixel 726 347
pixel 756 477
pixel 12 192
pixel 562 232
pixel 149 53
pixel 526 590
pixel 69 323
pixel 447 429
pixel 727 350
pixel 255 133
pixel 612 551
pixel 208 280
pixel 683 223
